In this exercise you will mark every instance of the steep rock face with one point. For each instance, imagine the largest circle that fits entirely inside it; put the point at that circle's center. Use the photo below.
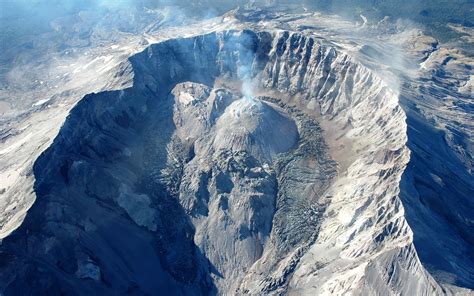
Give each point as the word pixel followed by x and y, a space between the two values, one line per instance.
pixel 364 217
pixel 438 184
pixel 180 185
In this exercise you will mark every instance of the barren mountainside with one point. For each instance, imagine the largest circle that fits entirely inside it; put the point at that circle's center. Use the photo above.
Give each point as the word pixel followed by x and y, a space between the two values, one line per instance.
pixel 218 189
pixel 248 154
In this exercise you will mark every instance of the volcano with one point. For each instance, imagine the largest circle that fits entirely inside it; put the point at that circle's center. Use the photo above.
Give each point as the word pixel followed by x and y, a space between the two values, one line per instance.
pixel 186 183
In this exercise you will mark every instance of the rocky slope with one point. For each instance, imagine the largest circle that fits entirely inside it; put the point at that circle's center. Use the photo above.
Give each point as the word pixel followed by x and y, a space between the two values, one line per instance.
pixel 192 182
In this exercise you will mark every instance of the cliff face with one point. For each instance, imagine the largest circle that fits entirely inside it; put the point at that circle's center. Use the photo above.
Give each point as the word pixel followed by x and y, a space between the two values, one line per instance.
pixel 239 162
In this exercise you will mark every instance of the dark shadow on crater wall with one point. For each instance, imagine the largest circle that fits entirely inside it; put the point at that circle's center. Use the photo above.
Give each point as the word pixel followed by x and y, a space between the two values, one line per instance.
pixel 436 194
pixel 76 217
